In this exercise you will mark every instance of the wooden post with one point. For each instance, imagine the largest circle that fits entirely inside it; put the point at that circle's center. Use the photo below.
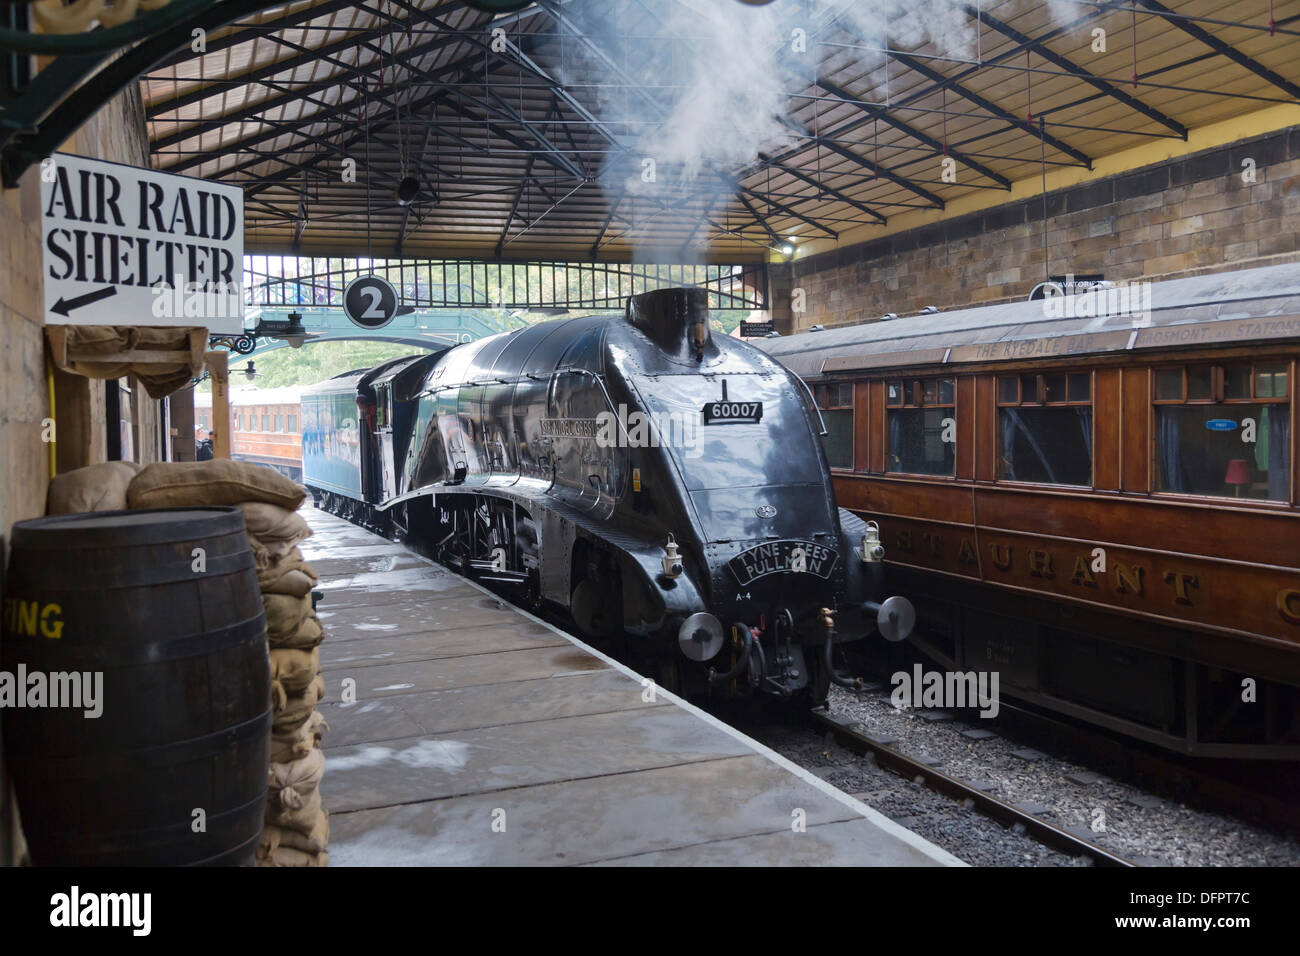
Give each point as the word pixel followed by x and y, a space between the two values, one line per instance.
pixel 217 363
pixel 181 415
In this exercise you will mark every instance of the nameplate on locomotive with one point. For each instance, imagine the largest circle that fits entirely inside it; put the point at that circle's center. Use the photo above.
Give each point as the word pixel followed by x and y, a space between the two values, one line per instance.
pixel 570 427
pixel 782 556
pixel 733 413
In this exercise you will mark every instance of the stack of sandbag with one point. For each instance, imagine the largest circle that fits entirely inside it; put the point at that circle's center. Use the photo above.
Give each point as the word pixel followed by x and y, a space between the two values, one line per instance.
pixel 296 830
pixel 99 487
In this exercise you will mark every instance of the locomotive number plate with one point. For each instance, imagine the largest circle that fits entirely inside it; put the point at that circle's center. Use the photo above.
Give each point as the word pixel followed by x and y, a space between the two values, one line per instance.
pixel 733 413
pixel 792 556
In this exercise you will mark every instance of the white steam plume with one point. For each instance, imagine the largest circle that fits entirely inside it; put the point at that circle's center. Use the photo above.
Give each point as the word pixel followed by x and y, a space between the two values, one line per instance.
pixel 701 87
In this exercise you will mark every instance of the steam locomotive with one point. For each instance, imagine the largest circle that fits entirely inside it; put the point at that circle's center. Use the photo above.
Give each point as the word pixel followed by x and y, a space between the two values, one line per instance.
pixel 665 488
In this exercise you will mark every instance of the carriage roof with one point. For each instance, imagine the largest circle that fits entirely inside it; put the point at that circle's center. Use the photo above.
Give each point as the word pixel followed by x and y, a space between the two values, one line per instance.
pixel 1226 308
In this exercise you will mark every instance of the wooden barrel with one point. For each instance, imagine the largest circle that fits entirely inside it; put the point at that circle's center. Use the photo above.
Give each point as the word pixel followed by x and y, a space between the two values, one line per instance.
pixel 163 605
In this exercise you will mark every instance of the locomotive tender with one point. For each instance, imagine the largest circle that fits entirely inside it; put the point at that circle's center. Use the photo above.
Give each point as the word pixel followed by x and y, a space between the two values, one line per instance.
pixel 663 487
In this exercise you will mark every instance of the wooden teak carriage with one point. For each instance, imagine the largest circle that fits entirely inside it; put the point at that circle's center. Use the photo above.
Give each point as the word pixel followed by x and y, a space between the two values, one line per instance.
pixel 1095 495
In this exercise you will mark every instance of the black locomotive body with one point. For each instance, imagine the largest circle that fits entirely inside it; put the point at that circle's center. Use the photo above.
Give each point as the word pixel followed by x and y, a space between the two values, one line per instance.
pixel 665 487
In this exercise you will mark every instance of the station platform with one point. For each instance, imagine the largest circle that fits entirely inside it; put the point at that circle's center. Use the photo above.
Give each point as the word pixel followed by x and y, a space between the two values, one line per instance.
pixel 481 735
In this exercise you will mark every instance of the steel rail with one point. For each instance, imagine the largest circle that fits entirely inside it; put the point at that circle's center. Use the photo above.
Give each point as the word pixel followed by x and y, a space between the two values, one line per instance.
pixel 1046 833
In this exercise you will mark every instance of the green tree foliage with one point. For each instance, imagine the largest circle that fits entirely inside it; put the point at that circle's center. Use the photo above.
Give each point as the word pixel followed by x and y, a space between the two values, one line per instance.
pixel 314 362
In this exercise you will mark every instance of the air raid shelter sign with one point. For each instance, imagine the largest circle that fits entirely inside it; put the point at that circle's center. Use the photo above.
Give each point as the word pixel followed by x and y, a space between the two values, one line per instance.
pixel 129 246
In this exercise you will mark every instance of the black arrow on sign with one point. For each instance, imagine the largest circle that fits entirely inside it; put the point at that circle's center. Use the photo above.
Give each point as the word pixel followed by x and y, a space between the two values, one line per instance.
pixel 64 306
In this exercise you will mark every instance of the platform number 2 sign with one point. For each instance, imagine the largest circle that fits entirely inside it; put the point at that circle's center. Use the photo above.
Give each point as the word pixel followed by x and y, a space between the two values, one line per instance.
pixel 370 301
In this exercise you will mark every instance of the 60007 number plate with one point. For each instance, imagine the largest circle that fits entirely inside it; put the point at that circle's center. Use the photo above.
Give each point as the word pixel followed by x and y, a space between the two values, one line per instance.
pixel 774 556
pixel 733 413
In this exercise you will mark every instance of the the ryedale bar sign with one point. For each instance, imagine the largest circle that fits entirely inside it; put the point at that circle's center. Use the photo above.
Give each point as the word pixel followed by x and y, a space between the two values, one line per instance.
pixel 129 246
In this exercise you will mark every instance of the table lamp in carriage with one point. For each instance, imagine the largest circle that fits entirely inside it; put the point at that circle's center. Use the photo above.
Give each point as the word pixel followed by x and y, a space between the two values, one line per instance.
pixel 1238 475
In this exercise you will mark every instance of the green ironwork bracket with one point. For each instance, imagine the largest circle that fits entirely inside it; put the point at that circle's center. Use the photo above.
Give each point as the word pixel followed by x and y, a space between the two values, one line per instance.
pixel 144 25
pixel 35 120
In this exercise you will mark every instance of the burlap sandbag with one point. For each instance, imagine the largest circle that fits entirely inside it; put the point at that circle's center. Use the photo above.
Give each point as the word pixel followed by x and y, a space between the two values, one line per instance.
pixel 295 743
pixel 272 531
pixel 316 841
pixel 294 669
pixel 301 818
pixel 274 850
pixel 298 707
pixel 288 856
pixel 267 554
pixel 99 487
pixel 292 561
pixel 190 484
pixel 273 523
pixel 159 379
pixel 293 582
pixel 284 615
pixel 289 785
pixel 308 635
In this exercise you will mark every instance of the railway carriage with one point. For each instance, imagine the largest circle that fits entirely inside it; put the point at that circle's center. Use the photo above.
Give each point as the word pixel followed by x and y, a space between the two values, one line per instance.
pixel 663 487
pixel 264 427
pixel 1095 495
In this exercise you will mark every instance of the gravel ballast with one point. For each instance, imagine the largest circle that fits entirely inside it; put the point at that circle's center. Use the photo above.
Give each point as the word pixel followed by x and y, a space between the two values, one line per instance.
pixel 1118 816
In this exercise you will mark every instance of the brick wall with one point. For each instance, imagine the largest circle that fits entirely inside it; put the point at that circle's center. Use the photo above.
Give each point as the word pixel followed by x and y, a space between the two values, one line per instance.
pixel 1191 215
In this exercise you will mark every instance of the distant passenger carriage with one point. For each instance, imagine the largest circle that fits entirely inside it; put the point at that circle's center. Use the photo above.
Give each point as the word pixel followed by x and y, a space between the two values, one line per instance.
pixel 1102 507
pixel 265 426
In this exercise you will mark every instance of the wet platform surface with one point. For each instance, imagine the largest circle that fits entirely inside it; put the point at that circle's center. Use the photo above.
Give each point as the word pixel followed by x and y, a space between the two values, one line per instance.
pixel 482 736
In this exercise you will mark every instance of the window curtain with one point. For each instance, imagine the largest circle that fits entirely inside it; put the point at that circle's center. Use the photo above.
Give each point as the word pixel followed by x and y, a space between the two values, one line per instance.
pixel 1279 458
pixel 1171 453
pixel 1085 423
pixel 895 442
pixel 1010 422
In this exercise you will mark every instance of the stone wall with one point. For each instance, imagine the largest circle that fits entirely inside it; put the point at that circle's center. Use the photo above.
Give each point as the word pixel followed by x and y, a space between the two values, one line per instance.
pixel 116 133
pixel 1191 215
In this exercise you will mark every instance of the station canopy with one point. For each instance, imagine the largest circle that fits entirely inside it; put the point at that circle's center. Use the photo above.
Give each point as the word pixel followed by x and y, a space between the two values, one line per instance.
pixel 681 130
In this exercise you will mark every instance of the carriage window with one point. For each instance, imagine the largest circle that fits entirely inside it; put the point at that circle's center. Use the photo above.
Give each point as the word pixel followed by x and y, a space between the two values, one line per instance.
pixel 836 404
pixel 922 428
pixel 266 422
pixel 1045 428
pixel 278 422
pixel 293 423
pixel 1224 430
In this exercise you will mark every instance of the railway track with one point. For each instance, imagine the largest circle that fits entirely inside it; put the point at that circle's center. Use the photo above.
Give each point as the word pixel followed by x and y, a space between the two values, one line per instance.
pixel 848 735
pixel 1258 792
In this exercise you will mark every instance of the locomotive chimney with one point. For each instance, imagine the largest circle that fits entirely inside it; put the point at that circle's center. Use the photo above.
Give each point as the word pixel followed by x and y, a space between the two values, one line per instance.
pixel 677 320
